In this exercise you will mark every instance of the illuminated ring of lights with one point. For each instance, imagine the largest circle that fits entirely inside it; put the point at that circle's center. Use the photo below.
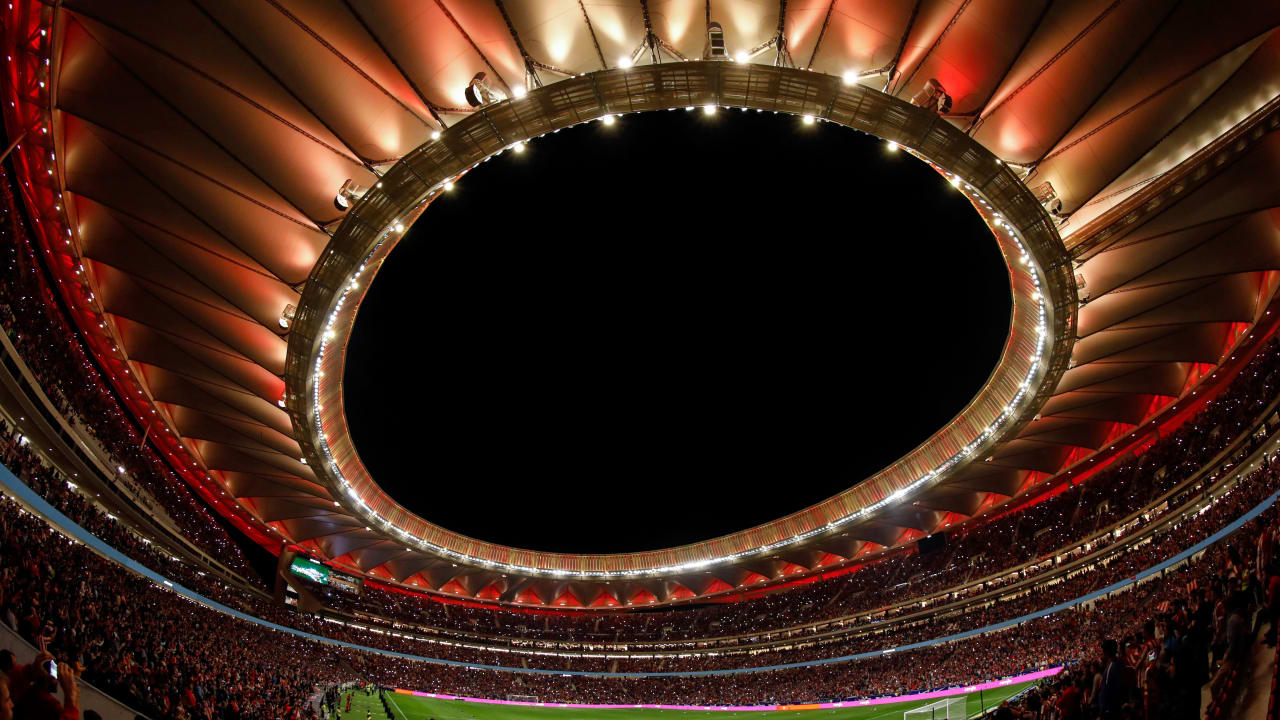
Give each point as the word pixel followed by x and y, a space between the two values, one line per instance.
pixel 1034 358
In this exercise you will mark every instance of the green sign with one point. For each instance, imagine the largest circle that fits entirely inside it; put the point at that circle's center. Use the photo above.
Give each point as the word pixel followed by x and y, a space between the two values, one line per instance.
pixel 313 571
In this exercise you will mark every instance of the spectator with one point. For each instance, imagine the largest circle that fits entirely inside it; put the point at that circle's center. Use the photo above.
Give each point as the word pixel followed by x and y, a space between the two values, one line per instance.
pixel 1115 689
pixel 1069 703
pixel 1238 637
pixel 6 700
pixel 36 700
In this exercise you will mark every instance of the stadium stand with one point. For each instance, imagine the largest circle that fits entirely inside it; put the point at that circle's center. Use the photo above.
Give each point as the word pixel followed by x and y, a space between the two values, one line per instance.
pixel 142 619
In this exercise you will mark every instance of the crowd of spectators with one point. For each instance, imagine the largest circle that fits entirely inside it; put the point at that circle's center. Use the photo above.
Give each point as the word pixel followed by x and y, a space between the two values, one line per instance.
pixel 1158 670
pixel 162 655
pixel 63 494
pixel 172 657
pixel 80 509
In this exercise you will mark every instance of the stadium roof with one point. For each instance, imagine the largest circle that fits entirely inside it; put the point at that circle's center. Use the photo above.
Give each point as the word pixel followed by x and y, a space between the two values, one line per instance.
pixel 183 160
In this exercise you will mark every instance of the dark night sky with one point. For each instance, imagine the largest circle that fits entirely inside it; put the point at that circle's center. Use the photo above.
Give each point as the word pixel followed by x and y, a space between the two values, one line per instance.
pixel 676 327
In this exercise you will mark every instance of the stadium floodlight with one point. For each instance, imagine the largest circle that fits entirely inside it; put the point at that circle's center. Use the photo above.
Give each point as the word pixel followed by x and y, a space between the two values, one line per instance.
pixel 480 93
pixel 348 193
pixel 286 316
pixel 715 49
pixel 952 708
pixel 933 96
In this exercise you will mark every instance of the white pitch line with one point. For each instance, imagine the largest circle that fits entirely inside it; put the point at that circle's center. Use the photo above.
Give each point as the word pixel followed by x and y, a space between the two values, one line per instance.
pixel 397 706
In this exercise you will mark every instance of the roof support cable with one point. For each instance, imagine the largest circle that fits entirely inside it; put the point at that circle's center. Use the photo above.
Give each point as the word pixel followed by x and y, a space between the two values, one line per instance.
pixel 267 69
pixel 891 67
pixel 592 30
pixel 553 69
pixel 936 42
pixel 991 109
pixel 531 66
pixel 782 56
pixel 355 67
pixel 652 43
pixel 826 20
pixel 432 108
pixel 1133 56
pixel 650 37
pixel 458 26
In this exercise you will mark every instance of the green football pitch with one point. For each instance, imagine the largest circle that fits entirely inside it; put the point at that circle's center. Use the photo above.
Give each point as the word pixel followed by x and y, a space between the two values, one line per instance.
pixel 413 707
